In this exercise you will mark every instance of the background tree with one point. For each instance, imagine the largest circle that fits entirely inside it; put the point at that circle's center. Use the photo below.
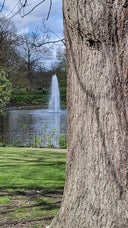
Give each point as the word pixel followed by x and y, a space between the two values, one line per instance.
pixel 33 54
pixel 96 189
pixel 8 43
pixel 61 59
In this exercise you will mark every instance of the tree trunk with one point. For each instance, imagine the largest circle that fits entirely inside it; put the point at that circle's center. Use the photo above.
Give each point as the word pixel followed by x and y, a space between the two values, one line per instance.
pixel 96 188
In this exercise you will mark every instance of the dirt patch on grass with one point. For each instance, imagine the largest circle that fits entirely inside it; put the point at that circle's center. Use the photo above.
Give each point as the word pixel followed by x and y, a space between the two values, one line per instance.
pixel 28 208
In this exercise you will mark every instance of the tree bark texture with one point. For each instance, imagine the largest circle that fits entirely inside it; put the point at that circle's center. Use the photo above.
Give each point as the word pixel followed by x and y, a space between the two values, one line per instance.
pixel 96 188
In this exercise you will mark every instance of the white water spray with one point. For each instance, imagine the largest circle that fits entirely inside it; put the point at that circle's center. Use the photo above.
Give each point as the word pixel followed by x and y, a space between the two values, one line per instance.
pixel 54 101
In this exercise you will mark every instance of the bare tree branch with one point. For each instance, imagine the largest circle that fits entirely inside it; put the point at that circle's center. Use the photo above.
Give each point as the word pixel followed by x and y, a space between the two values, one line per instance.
pixel 59 38
pixel 2 6
pixel 46 30
pixel 49 42
pixel 12 10
pixel 25 3
pixel 33 8
pixel 49 9
pixel 22 7
pixel 18 11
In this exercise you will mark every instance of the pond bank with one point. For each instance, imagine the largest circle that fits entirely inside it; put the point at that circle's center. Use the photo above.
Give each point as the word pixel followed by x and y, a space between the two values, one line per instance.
pixel 33 128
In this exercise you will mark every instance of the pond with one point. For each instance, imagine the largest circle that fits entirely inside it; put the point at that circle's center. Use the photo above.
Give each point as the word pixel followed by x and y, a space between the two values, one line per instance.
pixel 37 127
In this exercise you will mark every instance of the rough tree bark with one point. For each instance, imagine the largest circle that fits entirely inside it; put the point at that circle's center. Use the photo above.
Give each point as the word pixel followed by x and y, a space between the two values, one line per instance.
pixel 96 188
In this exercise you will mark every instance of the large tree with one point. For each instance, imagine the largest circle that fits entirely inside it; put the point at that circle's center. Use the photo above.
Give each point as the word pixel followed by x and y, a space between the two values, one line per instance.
pixel 96 188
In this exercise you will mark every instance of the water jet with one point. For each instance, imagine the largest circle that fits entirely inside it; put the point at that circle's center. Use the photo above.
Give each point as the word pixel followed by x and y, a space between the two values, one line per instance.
pixel 54 101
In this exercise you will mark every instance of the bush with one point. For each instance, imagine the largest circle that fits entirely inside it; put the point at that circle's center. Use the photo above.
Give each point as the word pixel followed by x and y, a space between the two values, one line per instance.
pixel 63 141
pixel 5 90
pixel 28 98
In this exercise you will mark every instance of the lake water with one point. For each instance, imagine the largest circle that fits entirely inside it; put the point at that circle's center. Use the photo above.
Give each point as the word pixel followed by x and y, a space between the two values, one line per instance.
pixel 38 127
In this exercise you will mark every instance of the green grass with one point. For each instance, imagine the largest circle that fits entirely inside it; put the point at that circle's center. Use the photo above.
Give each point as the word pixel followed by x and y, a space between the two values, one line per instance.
pixel 31 168
pixel 31 185
pixel 4 200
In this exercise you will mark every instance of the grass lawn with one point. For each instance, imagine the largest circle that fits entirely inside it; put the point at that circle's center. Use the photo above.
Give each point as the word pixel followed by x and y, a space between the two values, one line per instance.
pixel 31 186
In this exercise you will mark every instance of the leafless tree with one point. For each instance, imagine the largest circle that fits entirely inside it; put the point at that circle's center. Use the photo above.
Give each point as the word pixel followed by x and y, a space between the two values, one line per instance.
pixel 33 56
pixel 8 43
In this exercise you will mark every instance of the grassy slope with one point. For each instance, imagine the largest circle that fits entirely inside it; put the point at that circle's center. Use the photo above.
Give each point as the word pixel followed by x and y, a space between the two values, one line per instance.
pixel 31 186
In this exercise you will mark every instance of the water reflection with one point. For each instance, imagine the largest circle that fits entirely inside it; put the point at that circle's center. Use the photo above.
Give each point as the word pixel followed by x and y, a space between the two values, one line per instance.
pixel 28 127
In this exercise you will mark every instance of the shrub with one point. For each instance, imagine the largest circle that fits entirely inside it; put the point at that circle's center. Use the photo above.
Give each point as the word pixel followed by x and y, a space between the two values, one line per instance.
pixel 5 90
pixel 63 141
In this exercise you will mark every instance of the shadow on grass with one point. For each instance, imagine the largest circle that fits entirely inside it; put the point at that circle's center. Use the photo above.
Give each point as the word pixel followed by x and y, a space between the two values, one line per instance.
pixel 35 206
pixel 9 191
pixel 33 163
pixel 47 206
pixel 28 221
pixel 33 186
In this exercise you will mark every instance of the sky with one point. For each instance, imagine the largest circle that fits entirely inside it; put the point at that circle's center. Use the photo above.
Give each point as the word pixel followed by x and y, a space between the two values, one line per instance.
pixel 30 22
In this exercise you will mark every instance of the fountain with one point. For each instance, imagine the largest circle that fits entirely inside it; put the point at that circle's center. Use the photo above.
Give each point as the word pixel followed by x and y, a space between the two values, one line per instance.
pixel 54 101
pixel 22 127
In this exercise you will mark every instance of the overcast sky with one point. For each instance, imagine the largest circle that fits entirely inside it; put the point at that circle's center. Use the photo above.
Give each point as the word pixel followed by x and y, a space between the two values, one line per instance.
pixel 30 22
